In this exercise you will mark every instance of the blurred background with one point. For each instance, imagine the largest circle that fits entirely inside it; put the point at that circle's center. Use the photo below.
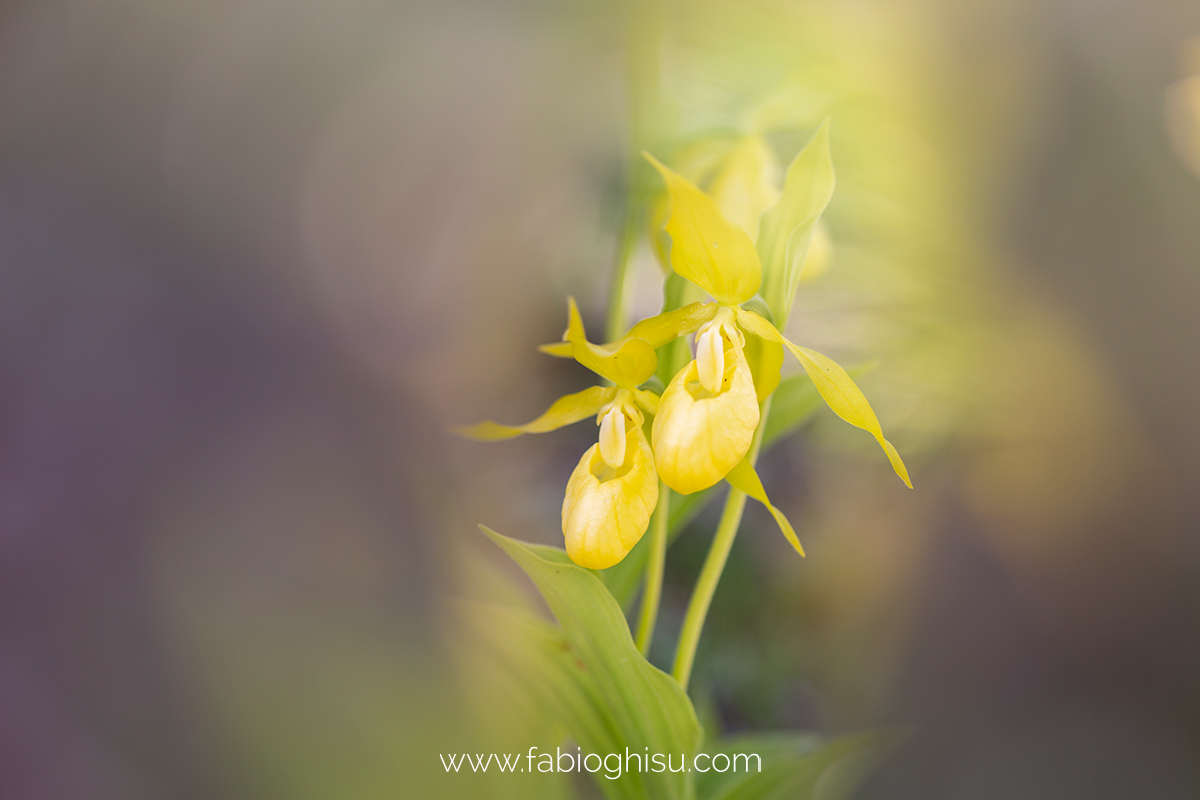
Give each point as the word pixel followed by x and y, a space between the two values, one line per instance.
pixel 255 256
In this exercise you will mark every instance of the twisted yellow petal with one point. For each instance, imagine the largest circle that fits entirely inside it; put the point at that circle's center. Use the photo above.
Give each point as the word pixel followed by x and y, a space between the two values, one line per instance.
pixel 629 364
pixel 836 387
pixel 606 510
pixel 565 410
pixel 670 325
pixel 656 331
pixel 700 435
pixel 743 477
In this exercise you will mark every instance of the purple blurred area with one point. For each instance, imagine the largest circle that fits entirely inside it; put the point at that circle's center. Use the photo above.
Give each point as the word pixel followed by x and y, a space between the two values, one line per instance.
pixel 255 257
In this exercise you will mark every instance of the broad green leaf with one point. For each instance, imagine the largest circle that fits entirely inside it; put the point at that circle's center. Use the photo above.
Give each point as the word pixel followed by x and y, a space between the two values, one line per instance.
pixel 648 707
pixel 624 579
pixel 707 249
pixel 772 749
pixel 787 227
pixel 565 410
pixel 541 676
pixel 798 772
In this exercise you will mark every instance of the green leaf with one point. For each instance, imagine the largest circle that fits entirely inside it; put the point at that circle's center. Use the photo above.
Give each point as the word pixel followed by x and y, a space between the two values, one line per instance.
pixel 648 707
pixel 787 226
pixel 537 658
pixel 772 749
pixel 794 767
pixel 624 578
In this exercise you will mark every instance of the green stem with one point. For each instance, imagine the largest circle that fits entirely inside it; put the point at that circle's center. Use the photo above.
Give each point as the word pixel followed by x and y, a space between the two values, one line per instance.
pixel 714 565
pixel 654 569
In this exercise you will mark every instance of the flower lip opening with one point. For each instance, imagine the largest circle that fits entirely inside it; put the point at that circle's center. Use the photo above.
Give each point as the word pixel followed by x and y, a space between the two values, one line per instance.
pixel 699 391
pixel 601 468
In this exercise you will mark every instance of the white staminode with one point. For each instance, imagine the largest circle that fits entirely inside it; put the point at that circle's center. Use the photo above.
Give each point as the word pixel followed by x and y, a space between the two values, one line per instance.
pixel 710 358
pixel 612 437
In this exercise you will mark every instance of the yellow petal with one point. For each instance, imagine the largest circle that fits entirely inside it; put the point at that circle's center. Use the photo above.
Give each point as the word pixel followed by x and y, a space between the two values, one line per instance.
pixel 835 386
pixel 606 511
pixel 557 349
pixel 667 327
pixel 564 411
pixel 744 185
pixel 707 249
pixel 744 477
pixel 655 331
pixel 699 436
pixel 629 365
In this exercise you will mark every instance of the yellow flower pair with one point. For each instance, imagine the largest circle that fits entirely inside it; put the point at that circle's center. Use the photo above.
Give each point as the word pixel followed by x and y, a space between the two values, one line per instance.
pixel 704 423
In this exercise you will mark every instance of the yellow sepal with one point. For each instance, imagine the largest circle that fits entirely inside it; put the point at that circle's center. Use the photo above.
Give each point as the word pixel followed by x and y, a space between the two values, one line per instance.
pixel 835 386
pixel 656 331
pixel 564 411
pixel 708 250
pixel 606 511
pixel 557 349
pixel 628 365
pixel 669 326
pixel 699 436
pixel 744 477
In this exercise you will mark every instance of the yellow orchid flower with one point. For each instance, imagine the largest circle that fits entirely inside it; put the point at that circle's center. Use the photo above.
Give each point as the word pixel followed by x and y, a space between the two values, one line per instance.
pixel 697 447
pixel 614 488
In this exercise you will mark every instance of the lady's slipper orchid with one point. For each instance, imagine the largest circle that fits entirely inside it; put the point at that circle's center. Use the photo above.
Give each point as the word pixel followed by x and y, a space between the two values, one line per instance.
pixel 614 488
pixel 709 411
pixel 719 257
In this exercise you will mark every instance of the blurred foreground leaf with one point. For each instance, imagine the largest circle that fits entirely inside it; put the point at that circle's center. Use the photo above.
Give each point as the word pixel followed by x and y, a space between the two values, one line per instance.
pixel 795 766
pixel 645 707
